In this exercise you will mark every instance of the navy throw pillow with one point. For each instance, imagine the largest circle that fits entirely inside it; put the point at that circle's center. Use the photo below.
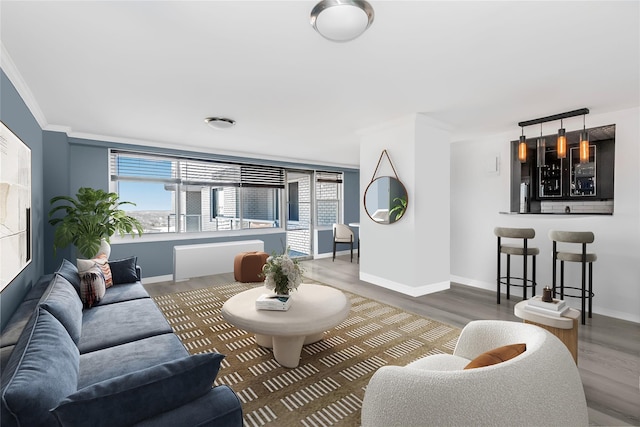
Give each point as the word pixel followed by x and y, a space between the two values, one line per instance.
pixel 124 270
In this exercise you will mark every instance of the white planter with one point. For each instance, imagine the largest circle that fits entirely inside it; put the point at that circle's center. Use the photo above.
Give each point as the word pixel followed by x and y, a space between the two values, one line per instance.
pixel 105 248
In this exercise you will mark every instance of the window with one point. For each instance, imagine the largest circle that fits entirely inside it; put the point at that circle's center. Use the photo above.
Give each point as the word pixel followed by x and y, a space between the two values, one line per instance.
pixel 328 198
pixel 294 202
pixel 174 194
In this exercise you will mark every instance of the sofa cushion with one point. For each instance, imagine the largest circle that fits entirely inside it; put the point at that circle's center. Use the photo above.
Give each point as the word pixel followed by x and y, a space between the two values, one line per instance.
pixel 92 286
pixel 99 365
pixel 497 355
pixel 70 272
pixel 127 399
pixel 101 261
pixel 124 292
pixel 5 354
pixel 223 409
pixel 63 302
pixel 113 324
pixel 42 370
pixel 17 323
pixel 124 270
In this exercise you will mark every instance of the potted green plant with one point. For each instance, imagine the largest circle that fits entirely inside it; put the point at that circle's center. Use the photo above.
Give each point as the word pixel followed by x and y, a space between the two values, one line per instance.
pixel 90 218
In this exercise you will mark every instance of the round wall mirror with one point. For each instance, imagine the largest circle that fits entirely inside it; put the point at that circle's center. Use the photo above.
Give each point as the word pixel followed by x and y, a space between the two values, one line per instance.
pixel 385 200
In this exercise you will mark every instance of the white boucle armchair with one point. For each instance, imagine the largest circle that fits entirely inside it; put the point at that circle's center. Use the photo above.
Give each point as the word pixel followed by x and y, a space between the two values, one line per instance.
pixel 540 387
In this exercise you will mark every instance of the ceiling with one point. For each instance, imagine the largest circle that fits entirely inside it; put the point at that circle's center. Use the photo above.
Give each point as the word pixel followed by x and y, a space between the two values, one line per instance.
pixel 150 72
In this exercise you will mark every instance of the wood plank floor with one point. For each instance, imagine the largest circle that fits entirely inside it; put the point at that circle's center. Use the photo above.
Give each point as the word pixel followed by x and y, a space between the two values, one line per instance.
pixel 608 348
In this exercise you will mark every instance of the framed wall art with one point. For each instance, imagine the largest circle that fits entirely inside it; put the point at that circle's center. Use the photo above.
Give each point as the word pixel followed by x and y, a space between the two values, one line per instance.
pixel 15 206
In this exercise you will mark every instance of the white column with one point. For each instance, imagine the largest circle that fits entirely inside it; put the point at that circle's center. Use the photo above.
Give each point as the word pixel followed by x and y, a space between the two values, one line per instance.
pixel 412 255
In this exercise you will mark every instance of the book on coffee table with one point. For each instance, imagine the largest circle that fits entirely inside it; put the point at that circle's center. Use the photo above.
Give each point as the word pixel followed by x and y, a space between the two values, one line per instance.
pixel 273 302
pixel 555 305
pixel 541 310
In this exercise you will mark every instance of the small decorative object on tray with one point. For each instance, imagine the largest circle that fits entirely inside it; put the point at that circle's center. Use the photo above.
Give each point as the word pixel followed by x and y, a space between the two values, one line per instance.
pixel 546 294
pixel 273 302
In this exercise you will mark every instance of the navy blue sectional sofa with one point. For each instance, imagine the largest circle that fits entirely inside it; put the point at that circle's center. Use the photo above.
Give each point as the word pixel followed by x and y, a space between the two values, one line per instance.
pixel 115 364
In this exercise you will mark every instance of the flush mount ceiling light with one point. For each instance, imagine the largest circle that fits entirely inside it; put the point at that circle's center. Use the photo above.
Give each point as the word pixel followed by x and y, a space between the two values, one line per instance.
pixel 219 122
pixel 341 20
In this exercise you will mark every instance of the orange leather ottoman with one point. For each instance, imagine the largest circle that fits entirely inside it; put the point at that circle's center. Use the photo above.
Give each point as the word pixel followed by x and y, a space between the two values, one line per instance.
pixel 247 266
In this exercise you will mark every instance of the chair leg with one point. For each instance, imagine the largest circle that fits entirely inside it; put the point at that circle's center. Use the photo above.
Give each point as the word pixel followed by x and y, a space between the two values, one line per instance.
pixel 584 289
pixel 508 276
pixel 334 250
pixel 534 277
pixel 498 273
pixel 561 279
pixel 553 271
pixel 590 288
pixel 352 251
pixel 525 275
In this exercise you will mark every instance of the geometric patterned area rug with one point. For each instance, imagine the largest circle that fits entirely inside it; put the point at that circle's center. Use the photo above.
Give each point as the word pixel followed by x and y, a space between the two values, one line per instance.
pixel 328 386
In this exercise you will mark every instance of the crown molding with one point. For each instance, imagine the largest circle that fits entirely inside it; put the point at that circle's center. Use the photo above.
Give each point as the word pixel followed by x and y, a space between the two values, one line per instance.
pixel 196 149
pixel 14 76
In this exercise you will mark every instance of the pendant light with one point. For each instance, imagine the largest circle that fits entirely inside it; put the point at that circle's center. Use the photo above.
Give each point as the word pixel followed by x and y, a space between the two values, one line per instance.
pixel 541 147
pixel 562 137
pixel 584 143
pixel 522 148
pixel 561 147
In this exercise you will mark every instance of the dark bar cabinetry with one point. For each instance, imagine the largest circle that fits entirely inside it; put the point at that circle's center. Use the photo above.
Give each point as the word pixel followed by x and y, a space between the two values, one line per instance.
pixel 545 181
pixel 550 176
pixel 583 175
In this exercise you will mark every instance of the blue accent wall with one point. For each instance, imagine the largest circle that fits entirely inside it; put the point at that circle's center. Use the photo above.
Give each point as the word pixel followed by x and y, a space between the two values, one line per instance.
pixel 17 117
pixel 56 182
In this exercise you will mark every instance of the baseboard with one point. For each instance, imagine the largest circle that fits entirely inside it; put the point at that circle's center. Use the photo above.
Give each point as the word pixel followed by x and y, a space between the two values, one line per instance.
pixel 157 279
pixel 338 253
pixel 404 289
pixel 490 286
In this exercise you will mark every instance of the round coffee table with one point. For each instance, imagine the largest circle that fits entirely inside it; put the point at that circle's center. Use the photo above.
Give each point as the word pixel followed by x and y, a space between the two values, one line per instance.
pixel 314 310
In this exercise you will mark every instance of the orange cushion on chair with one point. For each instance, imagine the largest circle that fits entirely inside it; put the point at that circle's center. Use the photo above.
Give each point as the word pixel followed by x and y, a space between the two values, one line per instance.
pixel 247 266
pixel 497 355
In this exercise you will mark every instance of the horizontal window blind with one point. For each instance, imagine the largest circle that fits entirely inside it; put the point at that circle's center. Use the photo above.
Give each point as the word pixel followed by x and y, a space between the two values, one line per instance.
pixel 138 166
pixel 322 176
pixel 132 166
pixel 260 176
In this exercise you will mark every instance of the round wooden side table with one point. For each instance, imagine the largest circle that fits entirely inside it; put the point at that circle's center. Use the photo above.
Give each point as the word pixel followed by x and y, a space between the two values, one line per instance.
pixel 564 327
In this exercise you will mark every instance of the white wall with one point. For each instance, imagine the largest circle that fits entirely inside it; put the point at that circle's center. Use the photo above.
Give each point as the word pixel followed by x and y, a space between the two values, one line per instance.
pixel 412 255
pixel 477 197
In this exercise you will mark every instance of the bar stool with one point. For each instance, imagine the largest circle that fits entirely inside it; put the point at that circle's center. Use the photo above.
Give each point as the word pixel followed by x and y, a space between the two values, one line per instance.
pixel 582 238
pixel 511 249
